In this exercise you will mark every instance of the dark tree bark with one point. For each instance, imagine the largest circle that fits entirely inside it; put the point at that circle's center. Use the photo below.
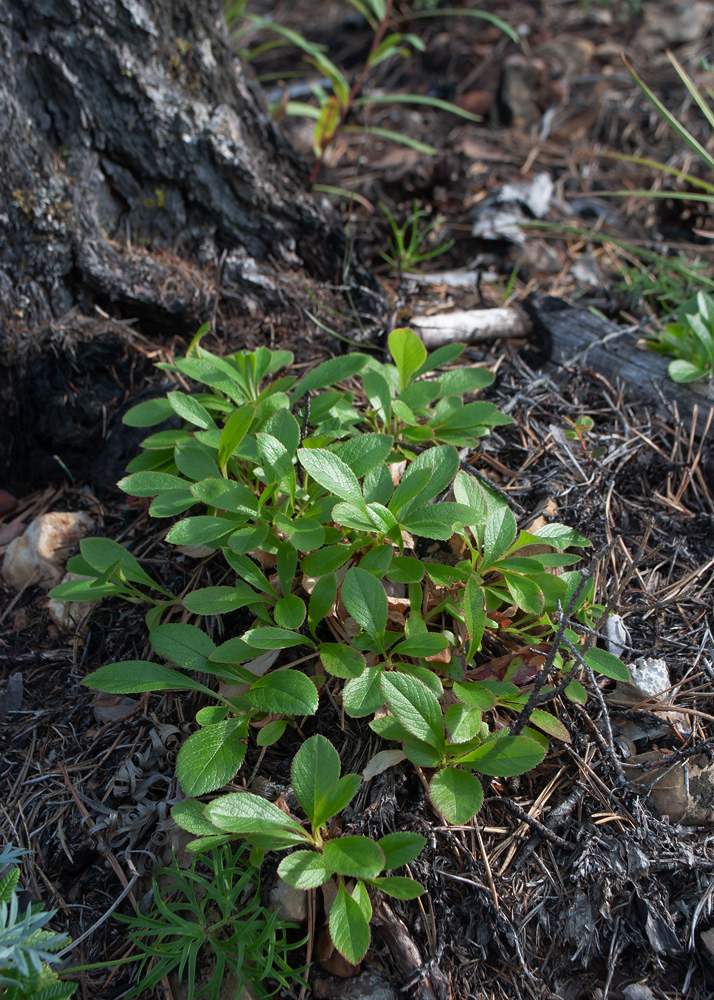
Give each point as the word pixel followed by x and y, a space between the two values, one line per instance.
pixel 141 177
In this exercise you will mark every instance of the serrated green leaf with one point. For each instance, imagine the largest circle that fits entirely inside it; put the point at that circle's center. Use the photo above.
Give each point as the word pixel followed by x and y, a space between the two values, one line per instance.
pixel 421 754
pixel 211 757
pixel 443 460
pixel 326 560
pixel 305 534
pixel 284 692
pixel 365 599
pixel 474 616
pixel 412 483
pixel 377 560
pixel 525 592
pixel 499 534
pixel 560 536
pixel 350 516
pixel 365 452
pixel 189 816
pixel 363 695
pixel 245 813
pixel 549 724
pixel 457 794
pixel 332 474
pixel 377 486
pixel 322 598
pixel 342 661
pixel 283 426
pixel 378 393
pixel 405 569
pixel 462 722
pixel 475 695
pixel 315 770
pixel 576 692
pixel 415 707
pixel 271 733
pixel 171 503
pixel 247 539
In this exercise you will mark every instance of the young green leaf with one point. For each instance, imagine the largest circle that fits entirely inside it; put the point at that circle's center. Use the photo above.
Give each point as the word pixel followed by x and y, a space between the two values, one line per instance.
pixel 220 600
pixel 525 592
pixel 200 530
pixel 560 536
pixel 377 560
pixel 401 848
pixel 415 707
pixel 189 816
pixel 226 495
pixel 405 569
pixel 148 484
pixel 380 398
pixel 365 599
pixel 326 560
pixel 235 429
pixel 171 503
pixel 504 757
pixel 349 929
pixel 195 460
pixel 607 664
pixel 426 644
pixel 303 870
pixel 441 356
pixel 408 352
pixel 341 661
pixel 330 372
pixel 357 857
pixel 148 414
pixel 133 676
pixel 389 729
pixel 290 612
pixel 190 409
pixel 315 770
pixel 185 645
pixel 322 598
pixel 271 733
pixel 398 887
pixel 284 692
pixel 421 754
pixel 457 794
pixel 474 616
pixel 275 638
pixel 210 757
pixel 576 692
pixel 443 460
pixel 550 725
pixel 499 534
pixel 305 534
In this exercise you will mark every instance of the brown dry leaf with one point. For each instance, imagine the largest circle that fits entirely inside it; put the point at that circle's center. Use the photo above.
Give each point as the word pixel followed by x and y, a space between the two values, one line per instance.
pixel 684 791
pixel 110 707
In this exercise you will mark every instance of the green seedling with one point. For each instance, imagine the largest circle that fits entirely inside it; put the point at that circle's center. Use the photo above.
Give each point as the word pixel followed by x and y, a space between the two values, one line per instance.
pixel 26 950
pixel 408 242
pixel 210 912
pixel 690 341
pixel 319 858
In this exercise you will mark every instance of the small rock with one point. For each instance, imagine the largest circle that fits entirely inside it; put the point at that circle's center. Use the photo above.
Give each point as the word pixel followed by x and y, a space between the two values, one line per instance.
pixel 7 502
pixel 522 91
pixel 478 102
pixel 290 904
pixel 11 696
pixel 673 24
pixel 638 991
pixel 706 939
pixel 565 55
pixel 368 986
pixel 39 555
pixel 69 615
pixel 110 707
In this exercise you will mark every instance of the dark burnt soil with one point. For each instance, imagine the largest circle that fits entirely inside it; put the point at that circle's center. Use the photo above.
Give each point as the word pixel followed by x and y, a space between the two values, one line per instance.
pixel 573 885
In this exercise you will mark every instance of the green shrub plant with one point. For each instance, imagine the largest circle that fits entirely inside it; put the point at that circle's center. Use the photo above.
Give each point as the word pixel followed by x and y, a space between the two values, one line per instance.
pixel 295 484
